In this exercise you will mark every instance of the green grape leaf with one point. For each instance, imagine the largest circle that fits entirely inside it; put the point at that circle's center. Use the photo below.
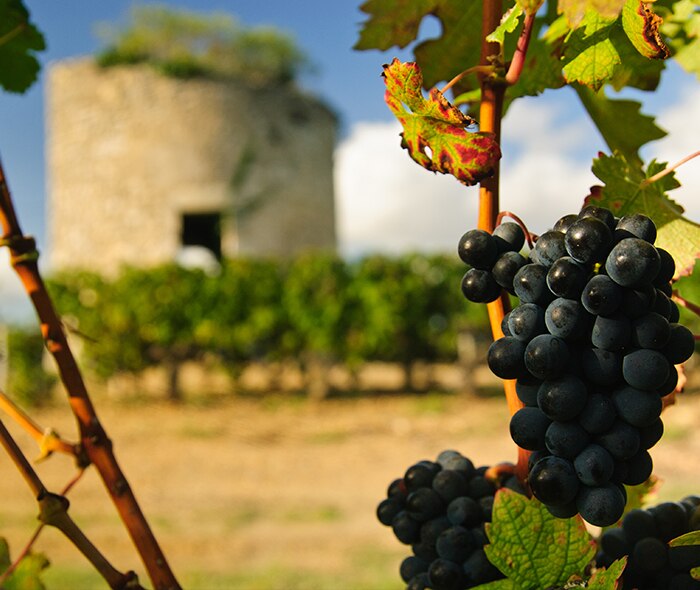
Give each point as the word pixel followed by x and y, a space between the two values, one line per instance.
pixel 608 579
pixel 504 584
pixel 623 127
pixel 691 538
pixel 626 192
pixel 27 574
pixel 509 22
pixel 590 55
pixel 533 548
pixel 445 57
pixel 642 28
pixel 392 22
pixel 681 27
pixel 19 42
pixel 434 131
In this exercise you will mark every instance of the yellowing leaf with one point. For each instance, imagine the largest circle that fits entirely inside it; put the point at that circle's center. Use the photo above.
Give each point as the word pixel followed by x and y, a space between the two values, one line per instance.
pixel 435 132
pixel 642 27
pixel 533 548
pixel 392 22
pixel 575 10
pixel 608 579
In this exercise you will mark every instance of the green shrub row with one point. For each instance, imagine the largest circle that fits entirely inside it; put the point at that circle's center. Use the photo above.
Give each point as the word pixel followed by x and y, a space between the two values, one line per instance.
pixel 378 308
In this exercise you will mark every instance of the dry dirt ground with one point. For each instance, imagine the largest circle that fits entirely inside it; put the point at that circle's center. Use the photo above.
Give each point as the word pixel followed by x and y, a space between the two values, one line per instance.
pixel 278 492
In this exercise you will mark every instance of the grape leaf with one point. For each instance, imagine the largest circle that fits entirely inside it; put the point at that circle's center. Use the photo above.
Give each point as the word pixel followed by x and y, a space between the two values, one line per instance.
pixel 533 548
pixel 590 56
pixel 691 538
pixel 19 42
pixel 620 122
pixel 608 579
pixel 625 192
pixel 509 22
pixel 27 574
pixel 640 495
pixel 392 22
pixel 681 27
pixel 435 133
pixel 641 25
pixel 502 584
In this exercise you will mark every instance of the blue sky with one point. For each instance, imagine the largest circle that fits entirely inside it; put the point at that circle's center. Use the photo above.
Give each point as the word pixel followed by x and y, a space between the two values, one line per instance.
pixel 384 201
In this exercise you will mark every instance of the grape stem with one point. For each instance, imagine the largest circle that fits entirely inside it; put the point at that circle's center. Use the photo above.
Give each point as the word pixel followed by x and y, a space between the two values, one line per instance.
pixel 518 61
pixel 668 170
pixel 689 305
pixel 458 77
pixel 528 236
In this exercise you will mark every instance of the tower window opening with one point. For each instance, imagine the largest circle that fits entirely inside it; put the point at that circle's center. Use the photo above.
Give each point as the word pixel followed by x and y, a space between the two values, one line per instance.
pixel 202 229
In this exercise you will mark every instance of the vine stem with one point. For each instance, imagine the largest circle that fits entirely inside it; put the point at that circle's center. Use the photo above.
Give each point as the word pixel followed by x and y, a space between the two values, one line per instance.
pixel 668 169
pixel 518 61
pixel 490 116
pixel 93 438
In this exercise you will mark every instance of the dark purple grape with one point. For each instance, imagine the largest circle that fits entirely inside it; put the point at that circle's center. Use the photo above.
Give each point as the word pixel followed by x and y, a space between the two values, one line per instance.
pixel 420 475
pixel 567 278
pixel 553 481
pixel 478 249
pixel 450 484
pixel 566 318
pixel 601 367
pixel 527 388
pixel 406 529
pixel 650 331
pixel 387 510
pixel 601 505
pixel 565 222
pixel 635 226
pixel 530 285
pixel 598 415
pixel 505 269
pixel 528 427
pixel 445 575
pixel 464 511
pixel 588 240
pixel 611 333
pixel 639 469
pixel 651 434
pixel 632 262
pixel 548 248
pixel 667 268
pixel 601 295
pixel 411 567
pixel 506 358
pixel 605 215
pixel 424 504
pixel 650 555
pixel 566 439
pixel 594 465
pixel 680 345
pixel 622 440
pixel 509 236
pixel 526 321
pixel 479 286
pixel 547 357
pixel 637 407
pixel 455 544
pixel 563 398
pixel 645 369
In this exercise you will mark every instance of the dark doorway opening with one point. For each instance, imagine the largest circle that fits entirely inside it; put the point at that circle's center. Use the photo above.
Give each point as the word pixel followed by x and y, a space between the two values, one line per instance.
pixel 202 229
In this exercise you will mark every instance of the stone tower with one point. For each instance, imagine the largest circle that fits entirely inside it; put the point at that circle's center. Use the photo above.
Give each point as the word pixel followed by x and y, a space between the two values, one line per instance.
pixel 140 165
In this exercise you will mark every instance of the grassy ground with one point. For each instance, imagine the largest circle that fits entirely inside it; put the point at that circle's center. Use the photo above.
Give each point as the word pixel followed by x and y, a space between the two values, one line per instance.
pixel 278 493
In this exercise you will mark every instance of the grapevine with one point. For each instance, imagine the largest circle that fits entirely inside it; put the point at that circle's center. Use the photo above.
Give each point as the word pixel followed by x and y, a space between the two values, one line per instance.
pixel 594 349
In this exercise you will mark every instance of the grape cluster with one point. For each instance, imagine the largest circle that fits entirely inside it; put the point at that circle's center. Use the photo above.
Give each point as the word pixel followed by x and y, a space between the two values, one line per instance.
pixel 644 537
pixel 592 346
pixel 439 508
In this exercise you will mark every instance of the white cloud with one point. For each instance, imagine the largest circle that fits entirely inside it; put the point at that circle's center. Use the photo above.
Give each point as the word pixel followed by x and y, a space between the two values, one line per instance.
pixel 387 203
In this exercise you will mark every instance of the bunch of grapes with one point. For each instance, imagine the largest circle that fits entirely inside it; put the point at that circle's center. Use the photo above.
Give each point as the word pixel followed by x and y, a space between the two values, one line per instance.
pixel 592 346
pixel 439 508
pixel 644 537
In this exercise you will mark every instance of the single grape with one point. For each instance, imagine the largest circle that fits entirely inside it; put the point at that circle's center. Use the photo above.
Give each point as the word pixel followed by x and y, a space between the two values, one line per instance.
pixel 406 529
pixel 564 510
pixel 594 465
pixel 614 543
pixel 588 240
pixel 479 286
pixel 601 295
pixel 419 582
pixel 397 489
pixel 420 475
pixel 445 575
pixel 527 388
pixel 548 248
pixel 598 415
pixel 637 407
pixel 455 544
pixel 565 222
pixel 637 524
pixel 563 398
pixel 553 481
pixel 667 268
pixel 566 318
pixel 662 304
pixel 639 469
pixel 566 439
pixel 651 434
pixel 601 505
pixel 671 520
pixel 506 358
pixel 430 531
pixel 632 262
pixel 680 345
pixel 567 278
pixel 530 285
pixel 635 226
pixel 411 567
pixel 505 269
pixel 622 440
pixel 479 570
pixel 464 511
pixel 509 236
pixel 683 558
pixel 645 369
pixel 611 333
pixel 528 427
pixel 650 555
pixel 479 486
pixel 546 356
pixel 637 302
pixel 526 321
pixel 478 249
pixel 424 504
pixel 449 484
pixel 650 331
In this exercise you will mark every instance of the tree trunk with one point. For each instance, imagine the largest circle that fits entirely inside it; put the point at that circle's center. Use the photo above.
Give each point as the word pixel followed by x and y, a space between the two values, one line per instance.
pixel 173 372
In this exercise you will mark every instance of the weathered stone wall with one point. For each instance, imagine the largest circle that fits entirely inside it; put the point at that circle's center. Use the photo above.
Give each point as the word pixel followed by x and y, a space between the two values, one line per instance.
pixel 130 151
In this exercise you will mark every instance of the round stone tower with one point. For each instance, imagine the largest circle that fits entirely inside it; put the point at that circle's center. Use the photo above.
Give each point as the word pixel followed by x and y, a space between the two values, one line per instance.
pixel 141 165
